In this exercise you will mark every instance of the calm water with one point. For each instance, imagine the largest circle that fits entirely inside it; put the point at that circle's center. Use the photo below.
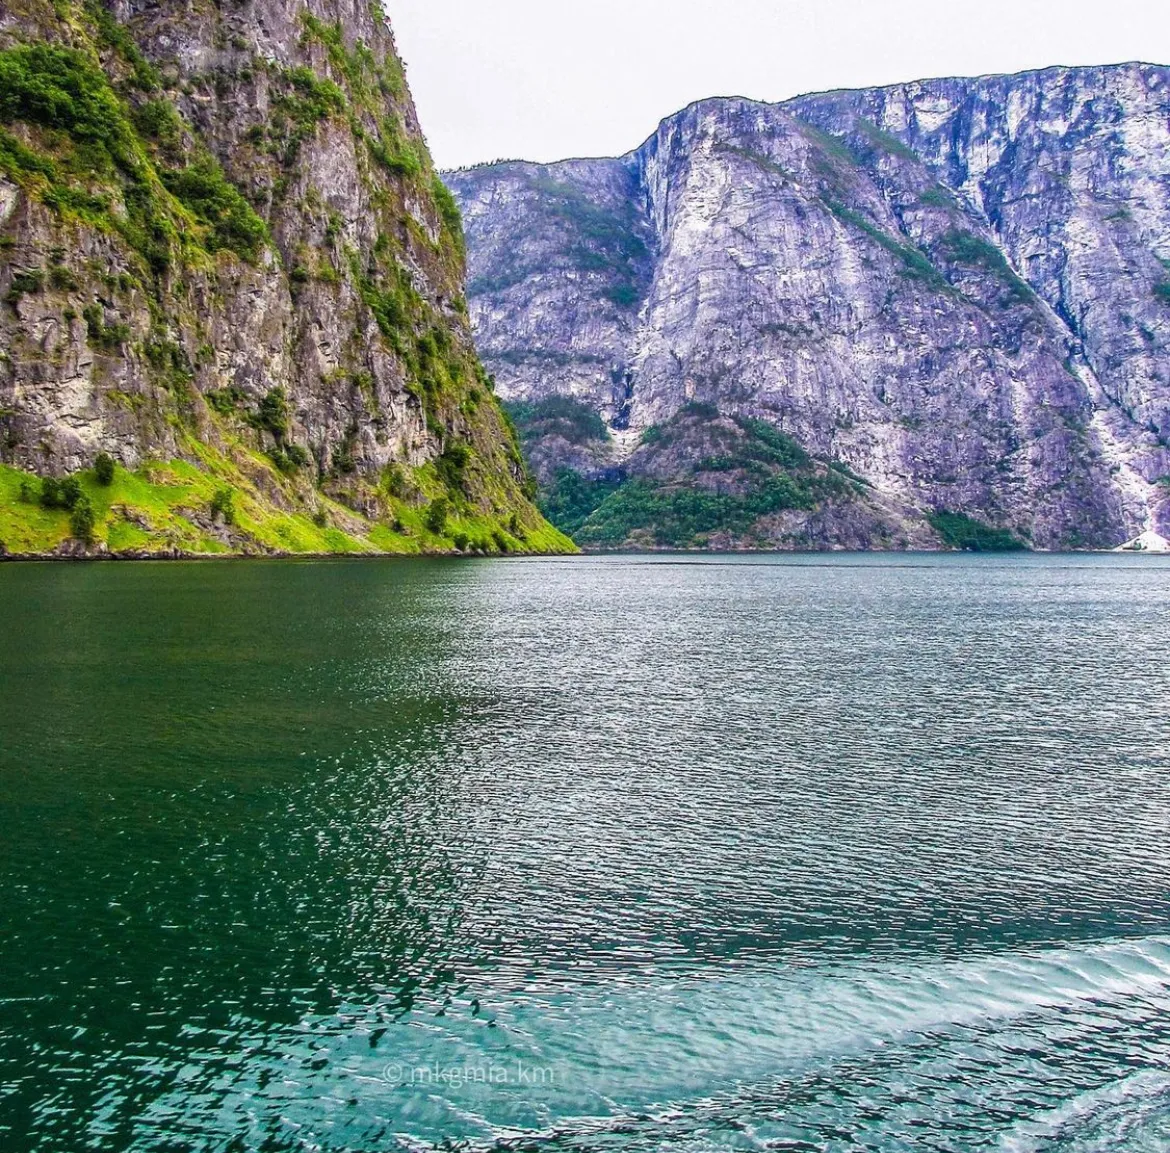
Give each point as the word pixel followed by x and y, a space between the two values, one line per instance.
pixel 820 853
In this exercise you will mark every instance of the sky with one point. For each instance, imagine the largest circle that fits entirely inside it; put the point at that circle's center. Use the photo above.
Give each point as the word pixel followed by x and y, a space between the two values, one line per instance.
pixel 545 80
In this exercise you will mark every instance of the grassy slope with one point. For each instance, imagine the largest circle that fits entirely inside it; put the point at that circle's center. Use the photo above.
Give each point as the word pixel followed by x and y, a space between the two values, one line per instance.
pixel 166 506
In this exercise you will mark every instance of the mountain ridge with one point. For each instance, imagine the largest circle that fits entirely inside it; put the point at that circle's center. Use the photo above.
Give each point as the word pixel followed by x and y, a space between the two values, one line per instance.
pixel 952 78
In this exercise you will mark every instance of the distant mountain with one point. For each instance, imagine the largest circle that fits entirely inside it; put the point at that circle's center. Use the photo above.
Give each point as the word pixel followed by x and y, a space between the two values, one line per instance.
pixel 956 292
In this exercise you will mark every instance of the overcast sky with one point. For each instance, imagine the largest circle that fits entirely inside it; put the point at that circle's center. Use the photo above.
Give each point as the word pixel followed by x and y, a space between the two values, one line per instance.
pixel 548 79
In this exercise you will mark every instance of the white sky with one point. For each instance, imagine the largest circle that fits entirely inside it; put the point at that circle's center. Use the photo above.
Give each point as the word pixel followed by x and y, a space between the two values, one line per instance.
pixel 548 79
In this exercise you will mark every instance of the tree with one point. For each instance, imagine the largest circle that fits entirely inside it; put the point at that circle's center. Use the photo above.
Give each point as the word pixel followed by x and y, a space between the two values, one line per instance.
pixel 273 414
pixel 436 518
pixel 83 520
pixel 70 492
pixel 103 469
pixel 51 492
pixel 223 505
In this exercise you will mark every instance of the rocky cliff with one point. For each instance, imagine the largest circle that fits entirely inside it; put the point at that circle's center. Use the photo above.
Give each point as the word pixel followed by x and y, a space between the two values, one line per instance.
pixel 233 281
pixel 956 292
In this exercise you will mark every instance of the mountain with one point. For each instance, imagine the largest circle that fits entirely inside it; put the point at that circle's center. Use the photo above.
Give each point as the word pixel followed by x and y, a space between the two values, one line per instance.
pixel 954 294
pixel 233 316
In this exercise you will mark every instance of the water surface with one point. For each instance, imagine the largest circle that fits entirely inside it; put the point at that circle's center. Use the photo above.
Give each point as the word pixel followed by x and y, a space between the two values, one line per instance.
pixel 803 853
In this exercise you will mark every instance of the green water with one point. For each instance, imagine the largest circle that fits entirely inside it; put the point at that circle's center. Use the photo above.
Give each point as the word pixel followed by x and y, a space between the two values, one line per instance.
pixel 824 853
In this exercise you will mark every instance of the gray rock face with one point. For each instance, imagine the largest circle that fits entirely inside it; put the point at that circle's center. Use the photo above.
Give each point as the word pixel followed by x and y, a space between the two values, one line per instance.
pixel 258 222
pixel 960 289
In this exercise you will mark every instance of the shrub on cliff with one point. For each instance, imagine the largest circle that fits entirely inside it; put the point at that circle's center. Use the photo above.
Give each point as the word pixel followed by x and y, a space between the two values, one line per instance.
pixel 204 189
pixel 83 520
pixel 50 492
pixel 70 491
pixel 272 415
pixel 223 506
pixel 103 469
pixel 62 88
pixel 24 284
pixel 452 467
pixel 64 494
pixel 436 518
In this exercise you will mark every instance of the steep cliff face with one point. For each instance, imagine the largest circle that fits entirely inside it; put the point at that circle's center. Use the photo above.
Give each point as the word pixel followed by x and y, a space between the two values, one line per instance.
pixel 959 290
pixel 229 265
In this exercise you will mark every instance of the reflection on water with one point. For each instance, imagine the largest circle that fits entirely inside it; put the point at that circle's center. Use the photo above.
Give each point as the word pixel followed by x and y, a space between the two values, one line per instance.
pixel 803 853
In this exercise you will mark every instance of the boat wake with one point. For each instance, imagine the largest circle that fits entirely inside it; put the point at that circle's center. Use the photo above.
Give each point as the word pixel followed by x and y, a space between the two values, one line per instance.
pixel 1065 1049
pixel 1131 1114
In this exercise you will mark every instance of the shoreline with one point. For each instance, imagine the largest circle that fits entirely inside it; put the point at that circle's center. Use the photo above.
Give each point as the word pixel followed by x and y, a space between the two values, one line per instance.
pixel 211 557
pixel 177 556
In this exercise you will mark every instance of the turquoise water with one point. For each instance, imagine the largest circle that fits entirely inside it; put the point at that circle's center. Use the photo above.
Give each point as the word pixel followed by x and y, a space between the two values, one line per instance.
pixel 799 853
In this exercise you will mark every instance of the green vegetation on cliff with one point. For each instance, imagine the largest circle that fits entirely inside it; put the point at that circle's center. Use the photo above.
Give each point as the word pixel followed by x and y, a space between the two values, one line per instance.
pixel 595 240
pixel 702 480
pixel 975 252
pixel 914 263
pixel 963 532
pixel 91 162
pixel 571 499
pixel 557 416
pixel 752 472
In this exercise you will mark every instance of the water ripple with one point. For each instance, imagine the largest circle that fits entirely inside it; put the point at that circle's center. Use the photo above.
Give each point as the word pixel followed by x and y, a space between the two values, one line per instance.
pixel 772 853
